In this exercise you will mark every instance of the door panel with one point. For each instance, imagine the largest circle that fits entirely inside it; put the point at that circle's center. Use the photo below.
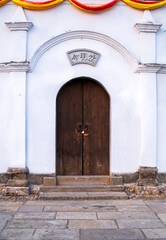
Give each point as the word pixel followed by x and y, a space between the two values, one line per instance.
pixel 82 129
pixel 96 117
pixel 69 138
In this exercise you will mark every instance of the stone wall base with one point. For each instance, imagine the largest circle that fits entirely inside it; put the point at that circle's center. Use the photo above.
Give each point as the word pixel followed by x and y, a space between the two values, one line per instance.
pixel 142 184
pixel 18 177
pixel 37 179
pixel 147 176
pixel 145 192
pixel 16 191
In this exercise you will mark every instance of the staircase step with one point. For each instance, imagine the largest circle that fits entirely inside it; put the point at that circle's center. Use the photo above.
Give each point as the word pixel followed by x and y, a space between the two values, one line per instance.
pixel 82 195
pixel 83 180
pixel 83 188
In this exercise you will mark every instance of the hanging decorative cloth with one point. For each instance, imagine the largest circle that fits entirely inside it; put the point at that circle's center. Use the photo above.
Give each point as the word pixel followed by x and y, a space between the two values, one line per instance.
pixel 2 2
pixel 37 5
pixel 143 5
pixel 93 8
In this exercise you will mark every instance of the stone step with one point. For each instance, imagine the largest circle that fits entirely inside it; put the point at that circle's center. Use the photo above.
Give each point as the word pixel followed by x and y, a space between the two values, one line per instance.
pixel 82 180
pixel 83 188
pixel 83 195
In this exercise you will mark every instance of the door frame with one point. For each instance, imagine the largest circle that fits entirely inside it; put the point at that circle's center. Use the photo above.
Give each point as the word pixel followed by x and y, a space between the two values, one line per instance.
pixel 109 145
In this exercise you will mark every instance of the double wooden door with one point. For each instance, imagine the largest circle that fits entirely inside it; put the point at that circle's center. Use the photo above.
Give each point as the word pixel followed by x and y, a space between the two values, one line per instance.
pixel 82 143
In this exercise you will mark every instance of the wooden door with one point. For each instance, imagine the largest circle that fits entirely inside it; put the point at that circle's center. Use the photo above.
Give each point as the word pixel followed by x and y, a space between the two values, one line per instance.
pixel 82 129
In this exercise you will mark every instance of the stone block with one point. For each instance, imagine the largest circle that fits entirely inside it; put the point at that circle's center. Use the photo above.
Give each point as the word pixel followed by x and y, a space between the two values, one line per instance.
pixel 37 179
pixel 79 208
pixel 110 234
pixel 107 195
pixel 155 233
pixel 18 177
pixel 147 176
pixel 140 223
pixel 162 216
pixel 56 234
pixel 133 208
pixel 83 180
pixel 4 217
pixel 92 224
pixel 15 182
pixel 76 215
pixel 37 215
pixel 49 181
pixel 161 177
pixel 31 209
pixel 157 207
pixel 63 195
pixel 116 180
pixel 36 224
pixel 17 170
pixel 126 215
pixel 4 178
pixel 9 234
pixel 130 177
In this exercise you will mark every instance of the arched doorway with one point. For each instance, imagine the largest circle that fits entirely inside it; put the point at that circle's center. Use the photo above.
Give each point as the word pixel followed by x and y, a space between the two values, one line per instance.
pixel 82 143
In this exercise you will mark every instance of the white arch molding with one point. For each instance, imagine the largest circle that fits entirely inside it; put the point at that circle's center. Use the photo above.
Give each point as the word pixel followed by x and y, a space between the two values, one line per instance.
pixel 83 34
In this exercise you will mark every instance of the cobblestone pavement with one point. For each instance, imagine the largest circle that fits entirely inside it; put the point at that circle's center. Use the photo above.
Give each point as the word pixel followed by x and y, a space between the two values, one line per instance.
pixel 83 220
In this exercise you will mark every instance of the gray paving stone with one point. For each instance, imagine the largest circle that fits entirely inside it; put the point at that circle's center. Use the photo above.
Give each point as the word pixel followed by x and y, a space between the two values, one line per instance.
pixel 92 224
pixel 10 206
pixel 25 209
pixel 126 215
pixel 155 201
pixel 76 215
pixel 4 217
pixel 83 208
pixel 111 234
pixel 89 202
pixel 56 234
pixel 162 216
pixel 39 216
pixel 159 207
pixel 140 223
pixel 9 234
pixel 133 208
pixel 32 224
pixel 155 233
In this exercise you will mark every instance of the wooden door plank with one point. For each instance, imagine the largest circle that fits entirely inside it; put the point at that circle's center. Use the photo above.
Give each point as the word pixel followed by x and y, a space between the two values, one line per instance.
pixel 69 139
pixel 96 141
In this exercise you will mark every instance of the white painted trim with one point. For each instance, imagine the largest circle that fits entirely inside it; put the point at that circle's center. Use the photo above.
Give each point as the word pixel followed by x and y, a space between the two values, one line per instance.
pixel 149 68
pixel 163 69
pixel 147 27
pixel 14 67
pixel 83 34
pixel 19 26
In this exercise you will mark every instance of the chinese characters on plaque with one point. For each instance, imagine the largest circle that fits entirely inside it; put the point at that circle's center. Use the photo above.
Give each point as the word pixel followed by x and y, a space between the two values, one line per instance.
pixel 83 56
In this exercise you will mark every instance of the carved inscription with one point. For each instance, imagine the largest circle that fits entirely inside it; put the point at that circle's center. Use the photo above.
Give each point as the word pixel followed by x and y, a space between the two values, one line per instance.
pixel 83 56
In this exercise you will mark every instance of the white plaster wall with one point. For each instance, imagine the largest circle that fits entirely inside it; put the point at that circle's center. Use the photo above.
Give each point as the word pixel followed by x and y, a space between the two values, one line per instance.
pixel 4 122
pixel 6 13
pixel 159 16
pixel 52 71
pixel 161 125
pixel 117 22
